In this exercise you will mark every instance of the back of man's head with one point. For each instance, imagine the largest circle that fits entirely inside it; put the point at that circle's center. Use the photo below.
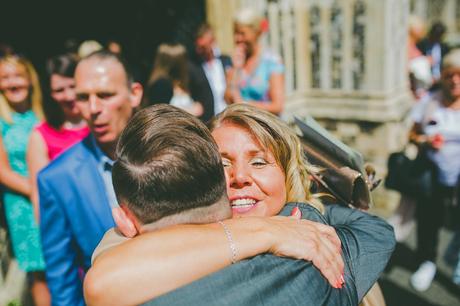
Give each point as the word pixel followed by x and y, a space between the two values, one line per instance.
pixel 169 165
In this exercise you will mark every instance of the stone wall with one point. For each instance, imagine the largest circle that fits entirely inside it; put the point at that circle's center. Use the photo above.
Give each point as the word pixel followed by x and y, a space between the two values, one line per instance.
pixel 375 141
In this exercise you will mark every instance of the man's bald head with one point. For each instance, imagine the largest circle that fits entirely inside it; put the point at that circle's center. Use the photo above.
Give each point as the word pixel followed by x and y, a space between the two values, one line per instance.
pixel 104 55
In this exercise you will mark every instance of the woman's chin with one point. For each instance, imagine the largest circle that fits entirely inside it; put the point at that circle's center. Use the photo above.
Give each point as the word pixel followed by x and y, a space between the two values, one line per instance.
pixel 17 98
pixel 248 211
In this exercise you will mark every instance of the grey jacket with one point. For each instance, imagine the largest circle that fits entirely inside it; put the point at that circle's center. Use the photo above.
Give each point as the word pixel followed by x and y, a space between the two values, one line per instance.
pixel 367 244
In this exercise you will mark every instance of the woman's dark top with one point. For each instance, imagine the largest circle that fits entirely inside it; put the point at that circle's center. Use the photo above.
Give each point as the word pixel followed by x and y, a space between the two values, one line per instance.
pixel 160 91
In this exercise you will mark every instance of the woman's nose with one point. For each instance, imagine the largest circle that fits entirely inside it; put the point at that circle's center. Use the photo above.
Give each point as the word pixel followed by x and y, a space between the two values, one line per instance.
pixel 240 176
pixel 70 94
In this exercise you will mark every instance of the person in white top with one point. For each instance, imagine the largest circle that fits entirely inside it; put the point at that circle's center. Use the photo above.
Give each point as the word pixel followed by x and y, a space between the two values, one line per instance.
pixel 436 130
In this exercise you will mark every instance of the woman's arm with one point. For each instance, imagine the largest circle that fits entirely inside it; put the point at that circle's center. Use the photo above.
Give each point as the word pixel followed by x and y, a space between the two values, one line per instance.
pixel 157 262
pixel 37 158
pixel 368 242
pixel 9 178
pixel 276 94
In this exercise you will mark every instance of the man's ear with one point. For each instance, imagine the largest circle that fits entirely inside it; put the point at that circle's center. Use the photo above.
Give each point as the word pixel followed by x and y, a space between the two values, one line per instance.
pixel 136 94
pixel 125 221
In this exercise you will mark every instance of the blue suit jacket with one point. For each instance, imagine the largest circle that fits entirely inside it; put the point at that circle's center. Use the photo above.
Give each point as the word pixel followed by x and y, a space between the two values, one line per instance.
pixel 74 215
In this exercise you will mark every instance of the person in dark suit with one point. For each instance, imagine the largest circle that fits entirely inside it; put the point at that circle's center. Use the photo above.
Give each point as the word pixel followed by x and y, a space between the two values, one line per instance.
pixel 163 184
pixel 207 70
pixel 434 48
pixel 75 190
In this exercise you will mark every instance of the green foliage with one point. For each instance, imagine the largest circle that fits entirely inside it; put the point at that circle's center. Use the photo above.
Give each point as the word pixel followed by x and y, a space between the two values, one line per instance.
pixel 14 303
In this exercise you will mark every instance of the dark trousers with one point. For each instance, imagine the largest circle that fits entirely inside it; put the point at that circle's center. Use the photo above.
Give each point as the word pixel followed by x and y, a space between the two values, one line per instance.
pixel 432 213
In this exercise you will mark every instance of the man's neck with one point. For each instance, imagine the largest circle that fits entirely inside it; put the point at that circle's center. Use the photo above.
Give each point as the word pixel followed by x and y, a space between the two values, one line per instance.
pixel 200 215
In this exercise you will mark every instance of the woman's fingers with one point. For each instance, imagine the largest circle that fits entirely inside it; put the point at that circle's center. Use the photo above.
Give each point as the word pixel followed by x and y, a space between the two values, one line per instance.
pixel 325 254
pixel 296 213
pixel 239 56
pixel 328 266
pixel 332 265
pixel 308 240
pixel 329 232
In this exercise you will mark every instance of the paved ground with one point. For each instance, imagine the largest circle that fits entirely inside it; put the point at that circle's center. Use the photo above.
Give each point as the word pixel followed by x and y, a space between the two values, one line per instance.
pixel 395 281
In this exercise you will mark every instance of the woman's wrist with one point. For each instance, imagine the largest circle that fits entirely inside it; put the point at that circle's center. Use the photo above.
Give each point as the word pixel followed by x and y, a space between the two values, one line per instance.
pixel 252 236
pixel 419 139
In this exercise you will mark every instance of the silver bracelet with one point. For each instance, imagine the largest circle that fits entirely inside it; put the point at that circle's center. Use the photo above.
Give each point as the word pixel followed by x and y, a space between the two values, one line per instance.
pixel 230 241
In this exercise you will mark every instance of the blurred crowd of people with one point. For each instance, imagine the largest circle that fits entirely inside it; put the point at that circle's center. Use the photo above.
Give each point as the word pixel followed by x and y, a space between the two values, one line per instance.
pixel 434 74
pixel 59 134
pixel 48 190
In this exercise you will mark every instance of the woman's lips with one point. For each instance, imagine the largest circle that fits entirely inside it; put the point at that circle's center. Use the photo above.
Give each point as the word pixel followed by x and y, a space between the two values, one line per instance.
pixel 15 89
pixel 243 205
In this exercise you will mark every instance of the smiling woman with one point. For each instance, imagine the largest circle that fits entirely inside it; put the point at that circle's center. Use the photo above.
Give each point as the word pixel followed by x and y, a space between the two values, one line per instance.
pixel 20 110
pixel 263 156
pixel 255 180
pixel 257 75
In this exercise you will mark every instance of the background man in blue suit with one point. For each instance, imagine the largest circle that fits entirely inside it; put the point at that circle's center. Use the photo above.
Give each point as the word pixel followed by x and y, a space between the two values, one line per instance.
pixel 76 193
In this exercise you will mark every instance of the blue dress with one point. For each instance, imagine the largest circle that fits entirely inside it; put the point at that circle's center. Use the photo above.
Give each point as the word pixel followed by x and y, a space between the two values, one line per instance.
pixel 24 232
pixel 255 86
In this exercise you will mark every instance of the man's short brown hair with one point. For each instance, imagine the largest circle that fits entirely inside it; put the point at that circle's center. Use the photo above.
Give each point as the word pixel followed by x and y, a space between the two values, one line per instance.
pixel 167 163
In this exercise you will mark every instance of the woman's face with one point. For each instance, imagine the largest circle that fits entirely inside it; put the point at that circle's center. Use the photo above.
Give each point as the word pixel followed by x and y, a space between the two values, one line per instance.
pixel 63 92
pixel 246 38
pixel 14 82
pixel 451 82
pixel 255 182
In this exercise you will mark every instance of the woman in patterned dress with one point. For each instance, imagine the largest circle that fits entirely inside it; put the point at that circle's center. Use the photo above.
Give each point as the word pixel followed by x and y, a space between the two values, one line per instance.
pixel 20 111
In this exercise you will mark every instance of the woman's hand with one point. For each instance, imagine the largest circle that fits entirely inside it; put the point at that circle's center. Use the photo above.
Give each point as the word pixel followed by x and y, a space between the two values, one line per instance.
pixel 239 56
pixel 436 141
pixel 10 178
pixel 232 92
pixel 308 240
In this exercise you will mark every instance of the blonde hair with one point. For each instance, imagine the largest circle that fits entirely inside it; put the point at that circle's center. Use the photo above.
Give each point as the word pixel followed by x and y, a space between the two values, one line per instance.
pixel 171 63
pixel 87 47
pixel 35 93
pixel 248 17
pixel 281 140
pixel 452 59
pixel 416 26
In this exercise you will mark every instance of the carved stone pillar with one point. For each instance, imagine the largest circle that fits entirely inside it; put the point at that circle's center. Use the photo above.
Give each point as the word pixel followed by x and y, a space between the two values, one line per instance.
pixel 220 17
pixel 346 66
